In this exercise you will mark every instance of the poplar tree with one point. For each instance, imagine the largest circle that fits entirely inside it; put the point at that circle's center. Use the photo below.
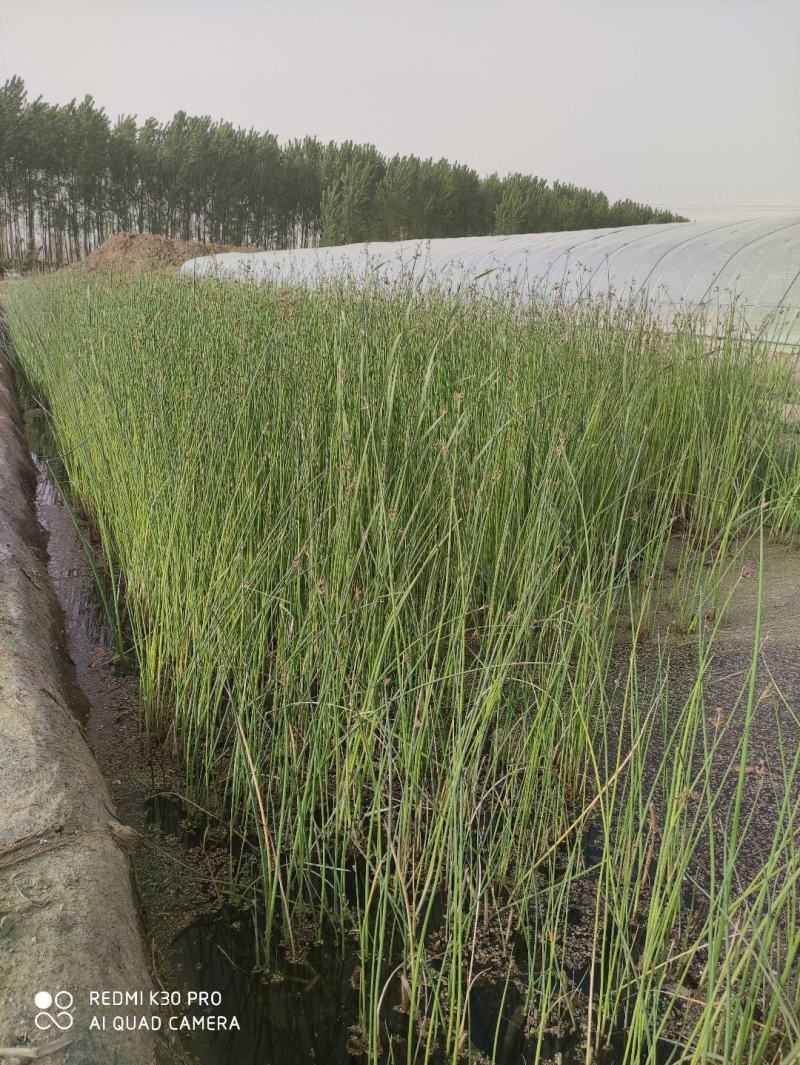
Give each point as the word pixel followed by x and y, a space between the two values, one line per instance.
pixel 68 178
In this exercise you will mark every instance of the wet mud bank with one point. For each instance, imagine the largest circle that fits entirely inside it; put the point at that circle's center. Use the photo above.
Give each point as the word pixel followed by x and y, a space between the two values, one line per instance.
pixel 68 920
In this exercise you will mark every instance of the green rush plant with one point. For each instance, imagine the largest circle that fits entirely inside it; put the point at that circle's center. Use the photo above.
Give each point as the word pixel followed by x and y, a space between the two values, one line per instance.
pixel 391 563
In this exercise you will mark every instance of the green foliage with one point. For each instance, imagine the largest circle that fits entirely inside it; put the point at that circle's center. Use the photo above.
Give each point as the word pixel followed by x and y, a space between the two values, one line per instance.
pixel 388 563
pixel 68 177
pixel 346 203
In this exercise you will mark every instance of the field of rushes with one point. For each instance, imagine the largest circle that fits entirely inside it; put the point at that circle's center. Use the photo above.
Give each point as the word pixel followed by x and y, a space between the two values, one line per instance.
pixel 377 553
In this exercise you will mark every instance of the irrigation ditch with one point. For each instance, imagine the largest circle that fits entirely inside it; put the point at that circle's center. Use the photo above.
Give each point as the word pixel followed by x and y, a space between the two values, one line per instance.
pixel 68 921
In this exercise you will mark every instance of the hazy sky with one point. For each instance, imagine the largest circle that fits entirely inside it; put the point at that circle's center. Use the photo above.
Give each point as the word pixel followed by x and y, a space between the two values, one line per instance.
pixel 687 104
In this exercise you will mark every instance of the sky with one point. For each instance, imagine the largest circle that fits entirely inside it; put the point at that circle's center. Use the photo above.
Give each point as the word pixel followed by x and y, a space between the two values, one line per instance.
pixel 690 105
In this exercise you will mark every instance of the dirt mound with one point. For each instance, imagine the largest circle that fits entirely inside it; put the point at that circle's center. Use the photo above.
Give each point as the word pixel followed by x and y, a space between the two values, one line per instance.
pixel 138 252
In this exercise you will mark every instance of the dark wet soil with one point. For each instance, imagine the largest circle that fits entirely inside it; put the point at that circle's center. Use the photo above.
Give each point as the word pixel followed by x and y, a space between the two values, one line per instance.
pixel 775 726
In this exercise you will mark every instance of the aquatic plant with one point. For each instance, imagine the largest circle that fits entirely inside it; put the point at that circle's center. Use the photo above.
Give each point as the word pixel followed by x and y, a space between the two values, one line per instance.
pixel 392 566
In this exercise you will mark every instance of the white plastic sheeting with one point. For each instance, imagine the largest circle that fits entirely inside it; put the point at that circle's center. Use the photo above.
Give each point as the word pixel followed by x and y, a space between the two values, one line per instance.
pixel 679 267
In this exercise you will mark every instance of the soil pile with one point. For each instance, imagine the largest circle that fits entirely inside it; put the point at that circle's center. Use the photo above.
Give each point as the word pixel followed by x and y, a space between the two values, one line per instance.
pixel 140 252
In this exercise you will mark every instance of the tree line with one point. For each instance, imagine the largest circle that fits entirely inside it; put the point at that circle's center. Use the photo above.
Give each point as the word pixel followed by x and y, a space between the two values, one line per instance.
pixel 69 177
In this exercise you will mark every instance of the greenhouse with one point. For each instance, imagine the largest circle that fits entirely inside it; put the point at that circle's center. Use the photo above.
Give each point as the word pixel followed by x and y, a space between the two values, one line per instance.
pixel 749 268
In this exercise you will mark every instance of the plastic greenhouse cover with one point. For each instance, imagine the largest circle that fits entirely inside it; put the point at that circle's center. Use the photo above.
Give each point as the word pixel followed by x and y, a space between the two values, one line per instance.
pixel 700 268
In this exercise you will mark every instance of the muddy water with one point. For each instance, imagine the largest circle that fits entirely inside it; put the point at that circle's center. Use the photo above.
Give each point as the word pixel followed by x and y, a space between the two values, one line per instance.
pixel 307 1010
